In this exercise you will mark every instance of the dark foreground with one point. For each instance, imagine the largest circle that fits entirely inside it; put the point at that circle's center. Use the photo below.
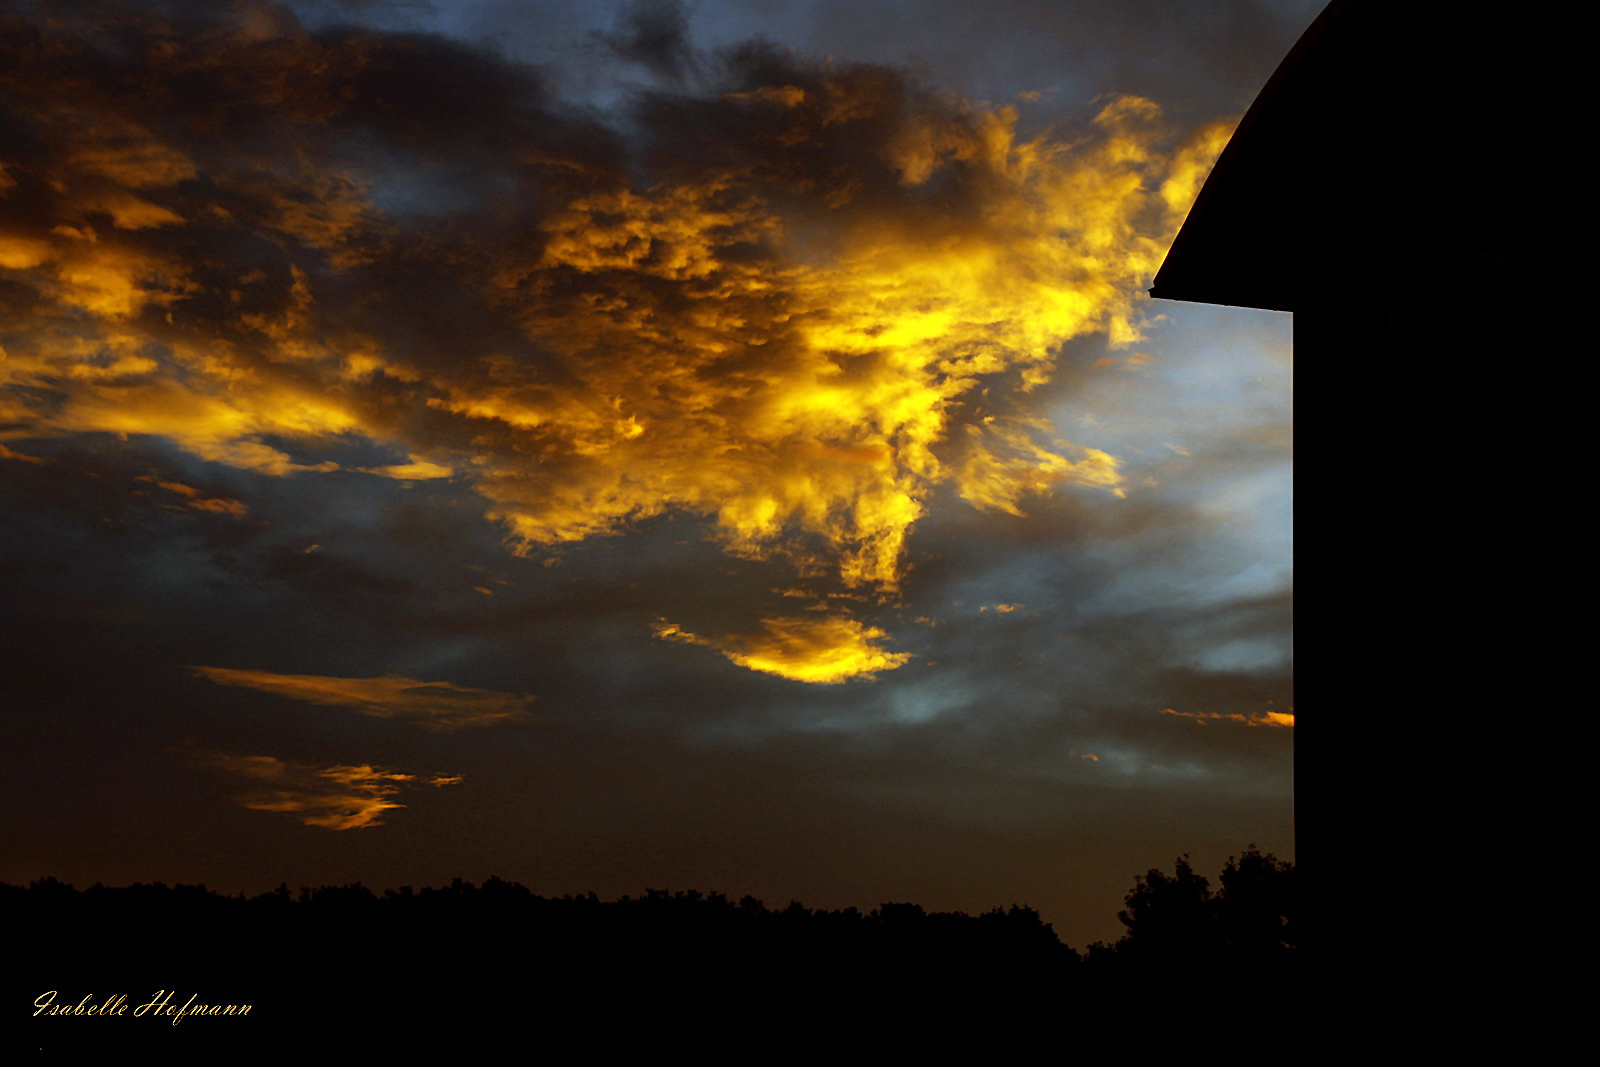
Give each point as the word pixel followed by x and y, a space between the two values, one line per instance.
pixel 184 973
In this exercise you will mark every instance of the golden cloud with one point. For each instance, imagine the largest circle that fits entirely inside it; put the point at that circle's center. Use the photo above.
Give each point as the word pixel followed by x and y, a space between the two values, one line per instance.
pixel 439 706
pixel 335 798
pixel 826 650
pixel 832 291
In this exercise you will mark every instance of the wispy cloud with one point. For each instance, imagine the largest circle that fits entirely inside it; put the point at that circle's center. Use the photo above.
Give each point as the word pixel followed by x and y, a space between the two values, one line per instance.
pixel 1262 718
pixel 337 797
pixel 195 500
pixel 441 706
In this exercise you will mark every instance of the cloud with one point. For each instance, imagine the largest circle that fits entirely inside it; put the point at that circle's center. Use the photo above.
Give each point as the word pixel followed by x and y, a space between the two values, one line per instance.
pixel 335 798
pixel 655 34
pixel 21 457
pixel 810 295
pixel 439 706
pixel 195 500
pixel 1265 718
pixel 1133 362
pixel 825 650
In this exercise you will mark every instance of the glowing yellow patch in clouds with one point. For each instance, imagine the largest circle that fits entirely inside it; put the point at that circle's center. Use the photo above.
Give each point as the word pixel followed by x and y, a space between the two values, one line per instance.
pixel 440 706
pixel 818 394
pixel 822 650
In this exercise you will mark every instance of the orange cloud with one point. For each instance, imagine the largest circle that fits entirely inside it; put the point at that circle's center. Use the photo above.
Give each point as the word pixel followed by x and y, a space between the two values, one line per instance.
pixel 21 457
pixel 1267 718
pixel 336 798
pixel 1133 362
pixel 195 500
pixel 439 706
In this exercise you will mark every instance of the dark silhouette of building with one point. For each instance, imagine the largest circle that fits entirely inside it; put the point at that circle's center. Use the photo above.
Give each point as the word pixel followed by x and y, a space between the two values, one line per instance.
pixel 1384 188
pixel 1374 171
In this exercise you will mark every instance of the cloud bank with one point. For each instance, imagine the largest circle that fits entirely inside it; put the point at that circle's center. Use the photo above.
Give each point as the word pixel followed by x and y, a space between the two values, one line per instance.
pixel 788 296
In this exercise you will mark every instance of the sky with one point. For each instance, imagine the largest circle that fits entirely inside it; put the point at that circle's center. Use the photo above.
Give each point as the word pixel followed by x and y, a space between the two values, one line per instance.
pixel 719 445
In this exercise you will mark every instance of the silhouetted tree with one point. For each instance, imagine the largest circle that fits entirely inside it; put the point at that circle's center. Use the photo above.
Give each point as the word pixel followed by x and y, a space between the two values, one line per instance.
pixel 1256 907
pixel 1177 926
pixel 398 958
pixel 1170 919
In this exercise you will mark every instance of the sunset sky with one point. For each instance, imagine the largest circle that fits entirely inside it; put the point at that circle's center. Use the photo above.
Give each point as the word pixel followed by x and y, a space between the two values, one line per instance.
pixel 722 445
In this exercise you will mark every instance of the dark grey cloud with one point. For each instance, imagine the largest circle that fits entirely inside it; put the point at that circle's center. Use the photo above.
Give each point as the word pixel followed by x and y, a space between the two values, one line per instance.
pixel 654 34
pixel 1199 59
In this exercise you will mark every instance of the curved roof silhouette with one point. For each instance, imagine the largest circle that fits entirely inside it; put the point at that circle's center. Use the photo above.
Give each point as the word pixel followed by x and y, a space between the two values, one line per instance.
pixel 1370 161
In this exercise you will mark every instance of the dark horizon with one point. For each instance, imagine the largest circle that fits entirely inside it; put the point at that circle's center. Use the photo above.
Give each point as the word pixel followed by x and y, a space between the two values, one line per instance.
pixel 1252 881
pixel 664 958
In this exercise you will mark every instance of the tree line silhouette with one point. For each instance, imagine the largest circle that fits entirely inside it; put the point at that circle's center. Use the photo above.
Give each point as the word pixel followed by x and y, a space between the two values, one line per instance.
pixel 410 967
